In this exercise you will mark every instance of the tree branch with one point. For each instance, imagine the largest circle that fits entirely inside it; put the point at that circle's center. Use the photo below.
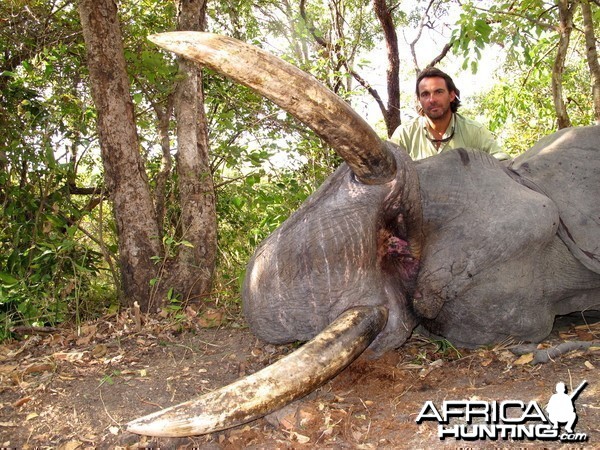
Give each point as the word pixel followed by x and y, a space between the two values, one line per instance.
pixel 391 114
pixel 442 55
pixel 413 43
pixel 331 50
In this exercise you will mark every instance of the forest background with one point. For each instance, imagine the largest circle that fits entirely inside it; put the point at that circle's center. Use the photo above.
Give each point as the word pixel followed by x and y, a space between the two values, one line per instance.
pixel 131 178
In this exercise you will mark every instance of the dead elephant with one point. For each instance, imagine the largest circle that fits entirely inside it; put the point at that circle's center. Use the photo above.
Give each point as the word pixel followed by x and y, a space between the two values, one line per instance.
pixel 470 248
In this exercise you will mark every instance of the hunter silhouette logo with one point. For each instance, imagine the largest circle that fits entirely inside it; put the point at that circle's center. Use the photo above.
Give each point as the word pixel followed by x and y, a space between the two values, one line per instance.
pixel 561 408
pixel 509 419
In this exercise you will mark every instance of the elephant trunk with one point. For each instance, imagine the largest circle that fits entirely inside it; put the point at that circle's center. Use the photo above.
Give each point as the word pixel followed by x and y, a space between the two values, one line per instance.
pixel 309 101
pixel 288 379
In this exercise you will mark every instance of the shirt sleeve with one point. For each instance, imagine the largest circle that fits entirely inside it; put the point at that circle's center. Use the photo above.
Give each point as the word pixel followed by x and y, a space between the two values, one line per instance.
pixel 399 137
pixel 489 144
pixel 409 137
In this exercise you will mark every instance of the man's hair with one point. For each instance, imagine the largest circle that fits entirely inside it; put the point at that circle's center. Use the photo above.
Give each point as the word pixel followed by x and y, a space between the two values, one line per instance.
pixel 431 72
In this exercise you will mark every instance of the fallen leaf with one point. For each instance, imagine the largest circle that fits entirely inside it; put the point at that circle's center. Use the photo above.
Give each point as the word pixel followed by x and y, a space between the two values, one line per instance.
pixel 7 369
pixel 301 438
pixel 589 365
pixel 39 368
pixel 284 417
pixel 21 402
pixel 31 416
pixel 575 354
pixel 307 417
pixel 66 377
pixel 71 445
pixel 211 318
pixel 84 340
pixel 99 351
pixel 113 360
pixel 87 329
pixel 190 312
pixel 584 335
pixel 8 424
pixel 524 359
pixel 69 356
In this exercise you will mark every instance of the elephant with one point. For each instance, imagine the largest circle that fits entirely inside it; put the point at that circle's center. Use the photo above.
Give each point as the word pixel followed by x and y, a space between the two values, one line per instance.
pixel 468 247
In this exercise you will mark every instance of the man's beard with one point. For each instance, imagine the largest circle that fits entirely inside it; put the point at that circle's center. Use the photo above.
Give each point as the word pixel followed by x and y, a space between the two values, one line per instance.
pixel 438 114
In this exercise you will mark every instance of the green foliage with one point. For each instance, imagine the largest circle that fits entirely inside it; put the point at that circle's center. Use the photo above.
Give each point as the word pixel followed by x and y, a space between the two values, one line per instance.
pixel 521 110
pixel 519 116
pixel 50 271
pixel 446 349
pixel 518 27
pixel 471 36
pixel 520 106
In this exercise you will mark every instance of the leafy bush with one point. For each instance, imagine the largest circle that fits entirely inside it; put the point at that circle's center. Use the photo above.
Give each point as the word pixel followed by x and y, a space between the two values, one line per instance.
pixel 49 272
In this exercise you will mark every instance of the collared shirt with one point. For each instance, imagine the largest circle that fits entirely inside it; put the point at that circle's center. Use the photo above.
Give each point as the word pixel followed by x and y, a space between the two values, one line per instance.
pixel 461 132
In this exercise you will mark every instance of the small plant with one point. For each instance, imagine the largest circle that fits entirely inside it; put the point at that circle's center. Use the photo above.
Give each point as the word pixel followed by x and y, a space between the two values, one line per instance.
pixel 446 349
pixel 108 378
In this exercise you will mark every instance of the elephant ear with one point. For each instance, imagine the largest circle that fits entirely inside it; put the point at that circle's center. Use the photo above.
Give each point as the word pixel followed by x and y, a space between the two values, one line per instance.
pixel 565 167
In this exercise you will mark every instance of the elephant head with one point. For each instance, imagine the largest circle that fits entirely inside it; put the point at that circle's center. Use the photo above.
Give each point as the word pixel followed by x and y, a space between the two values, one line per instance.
pixel 473 249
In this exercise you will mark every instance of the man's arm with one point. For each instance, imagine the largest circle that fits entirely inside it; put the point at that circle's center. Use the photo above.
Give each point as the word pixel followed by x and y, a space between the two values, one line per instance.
pixel 411 137
pixel 490 145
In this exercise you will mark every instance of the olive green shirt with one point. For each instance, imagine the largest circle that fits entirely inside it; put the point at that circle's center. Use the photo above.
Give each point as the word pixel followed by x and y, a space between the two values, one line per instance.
pixel 461 132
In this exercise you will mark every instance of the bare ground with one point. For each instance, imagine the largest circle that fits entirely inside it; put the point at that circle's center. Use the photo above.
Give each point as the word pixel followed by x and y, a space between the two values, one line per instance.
pixel 76 389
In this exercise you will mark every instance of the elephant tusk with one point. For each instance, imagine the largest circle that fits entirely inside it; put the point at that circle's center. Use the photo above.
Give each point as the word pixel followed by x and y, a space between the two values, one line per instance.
pixel 298 93
pixel 273 387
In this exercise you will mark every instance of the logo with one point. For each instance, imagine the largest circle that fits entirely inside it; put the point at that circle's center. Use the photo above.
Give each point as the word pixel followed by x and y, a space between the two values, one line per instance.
pixel 509 419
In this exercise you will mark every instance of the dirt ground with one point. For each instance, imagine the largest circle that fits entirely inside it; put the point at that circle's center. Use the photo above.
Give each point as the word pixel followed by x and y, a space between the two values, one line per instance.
pixel 76 389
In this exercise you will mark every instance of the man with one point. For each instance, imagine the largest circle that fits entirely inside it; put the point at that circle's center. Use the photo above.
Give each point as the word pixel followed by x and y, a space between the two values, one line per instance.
pixel 440 127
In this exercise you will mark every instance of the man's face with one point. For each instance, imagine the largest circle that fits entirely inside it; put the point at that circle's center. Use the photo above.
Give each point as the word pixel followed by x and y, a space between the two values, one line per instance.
pixel 435 98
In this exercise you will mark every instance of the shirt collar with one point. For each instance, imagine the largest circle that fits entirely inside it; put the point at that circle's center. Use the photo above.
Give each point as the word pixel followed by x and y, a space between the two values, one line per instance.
pixel 449 131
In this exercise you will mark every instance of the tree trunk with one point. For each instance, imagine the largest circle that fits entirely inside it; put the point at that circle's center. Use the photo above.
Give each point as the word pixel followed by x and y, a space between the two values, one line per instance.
pixel 163 114
pixel 392 112
pixel 565 9
pixel 123 166
pixel 194 267
pixel 592 56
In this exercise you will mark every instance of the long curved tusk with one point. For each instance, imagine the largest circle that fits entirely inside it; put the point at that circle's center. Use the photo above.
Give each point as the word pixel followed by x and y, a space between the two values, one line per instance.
pixel 271 388
pixel 293 90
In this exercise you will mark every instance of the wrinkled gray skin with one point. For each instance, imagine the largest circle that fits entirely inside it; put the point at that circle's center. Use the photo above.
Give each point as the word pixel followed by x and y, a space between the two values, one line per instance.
pixel 506 248
pixel 327 258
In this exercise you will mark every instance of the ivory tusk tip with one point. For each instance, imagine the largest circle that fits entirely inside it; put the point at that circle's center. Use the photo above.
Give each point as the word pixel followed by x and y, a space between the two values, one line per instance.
pixel 185 37
pixel 161 428
pixel 288 379
pixel 170 40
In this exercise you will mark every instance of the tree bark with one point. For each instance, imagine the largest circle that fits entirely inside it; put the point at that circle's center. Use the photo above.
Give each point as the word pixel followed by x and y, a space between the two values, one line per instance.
pixel 194 268
pixel 392 112
pixel 163 114
pixel 592 56
pixel 565 9
pixel 123 166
